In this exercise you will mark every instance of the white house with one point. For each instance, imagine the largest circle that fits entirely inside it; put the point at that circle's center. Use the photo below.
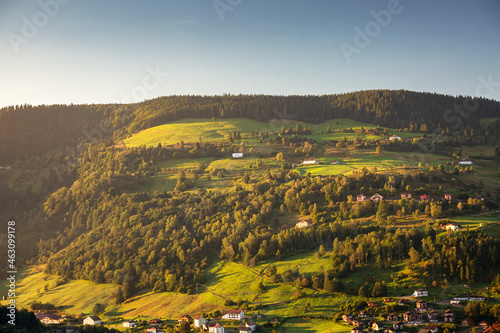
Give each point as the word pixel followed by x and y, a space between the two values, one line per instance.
pixel 376 197
pixel 49 319
pixel 199 321
pixel 303 224
pixel 465 161
pixel 451 227
pixel 218 328
pixel 420 293
pixel 92 320
pixel 310 161
pixel 395 137
pixel 361 198
pixel 129 323
pixel 251 324
pixel 237 155
pixel 234 315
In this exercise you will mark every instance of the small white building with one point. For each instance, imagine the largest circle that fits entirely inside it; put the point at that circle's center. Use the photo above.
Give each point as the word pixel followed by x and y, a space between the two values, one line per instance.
pixel 237 155
pixel 303 224
pixel 465 161
pixel 310 161
pixel 199 321
pixel 234 315
pixel 49 319
pixel 420 293
pixel 129 323
pixel 376 197
pixel 395 137
pixel 452 227
pixel 92 320
pixel 361 198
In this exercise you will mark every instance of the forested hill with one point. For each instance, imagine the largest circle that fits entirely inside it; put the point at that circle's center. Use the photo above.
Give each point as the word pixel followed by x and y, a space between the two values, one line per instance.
pixel 27 131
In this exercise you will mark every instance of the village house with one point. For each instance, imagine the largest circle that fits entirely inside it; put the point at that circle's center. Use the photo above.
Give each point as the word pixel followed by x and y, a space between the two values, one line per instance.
pixel 234 315
pixel 275 320
pixel 303 224
pixel 388 300
pixel 405 195
pixel 92 320
pixel 364 314
pixel 347 318
pixel 390 330
pixel 425 197
pixel 449 316
pixel 129 323
pixel 372 304
pixel 217 328
pixel 412 317
pixel 483 325
pixel 420 293
pixel 199 321
pixel 376 197
pixel 357 323
pixel 154 329
pixel 448 197
pixel 244 329
pixel 403 301
pixel 433 316
pixel 421 305
pixel 237 155
pixel 465 161
pixel 377 326
pixel 395 137
pixel 252 324
pixel 334 162
pixel 451 227
pixel 392 317
pixel 358 330
pixel 310 161
pixel 432 328
pixel 467 322
pixel 398 325
pixel 361 198
pixel 49 319
pixel 156 321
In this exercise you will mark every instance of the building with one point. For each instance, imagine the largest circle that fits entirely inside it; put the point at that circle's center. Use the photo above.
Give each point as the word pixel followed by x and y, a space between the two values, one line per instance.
pixel 275 320
pixel 452 227
pixel 347 318
pixel 184 318
pixel 92 320
pixel 449 316
pixel 310 161
pixel 432 328
pixel 129 323
pixel 398 325
pixel 154 329
pixel 448 197
pixel 405 195
pixel 358 330
pixel 252 324
pixel 467 322
pixel 364 314
pixel 421 305
pixel 334 162
pixel 420 293
pixel 376 197
pixel 49 319
pixel 425 197
pixel 156 321
pixel 465 161
pixel 377 326
pixel 199 321
pixel 234 315
pixel 303 224
pixel 395 137
pixel 244 329
pixel 433 316
pixel 217 328
pixel 237 155
pixel 361 198
pixel 392 317
pixel 412 317
pixel 483 325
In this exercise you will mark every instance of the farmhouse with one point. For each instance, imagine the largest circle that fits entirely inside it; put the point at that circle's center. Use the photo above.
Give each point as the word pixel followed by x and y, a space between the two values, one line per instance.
pixel 237 155
pixel 452 227
pixel 358 330
pixel 217 328
pixel 405 195
pixel 303 224
pixel 184 318
pixel 156 321
pixel 467 322
pixel 376 197
pixel 347 318
pixel 483 325
pixel 361 198
pixel 412 317
pixel 433 316
pixel 274 320
pixel 398 325
pixel 129 323
pixel 421 305
pixel 465 161
pixel 449 316
pixel 244 329
pixel 377 326
pixel 334 162
pixel 395 137
pixel 392 317
pixel 420 293
pixel 310 161
pixel 425 197
pixel 432 328
pixel 234 315
pixel 92 320
pixel 199 321
pixel 252 324
pixel 49 319
pixel 447 196
pixel 154 329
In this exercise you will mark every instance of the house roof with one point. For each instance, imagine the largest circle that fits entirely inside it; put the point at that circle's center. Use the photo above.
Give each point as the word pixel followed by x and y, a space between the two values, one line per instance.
pixel 234 311
pixel 94 318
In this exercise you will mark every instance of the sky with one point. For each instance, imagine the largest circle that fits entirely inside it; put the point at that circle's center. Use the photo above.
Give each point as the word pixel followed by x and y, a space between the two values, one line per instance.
pixel 121 51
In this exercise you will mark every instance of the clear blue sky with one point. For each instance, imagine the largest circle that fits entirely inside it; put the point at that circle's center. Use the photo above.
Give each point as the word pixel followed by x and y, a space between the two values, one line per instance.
pixel 95 51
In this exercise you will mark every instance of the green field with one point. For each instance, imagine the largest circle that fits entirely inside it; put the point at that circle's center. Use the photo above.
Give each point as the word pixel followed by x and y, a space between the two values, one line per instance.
pixel 191 130
pixel 478 150
pixel 299 325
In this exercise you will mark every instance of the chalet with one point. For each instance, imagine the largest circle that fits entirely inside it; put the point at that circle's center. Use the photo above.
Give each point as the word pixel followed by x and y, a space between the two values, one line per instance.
pixel 156 321
pixel 467 322
pixel 310 161
pixel 347 318
pixel 392 317
pixel 421 305
pixel 433 316
pixel 234 315
pixel 420 293
pixel 447 197
pixel 49 319
pixel 244 329
pixel 377 326
pixel 361 198
pixel 483 325
pixel 449 316
pixel 395 137
pixel 357 323
pixel 432 328
pixel 376 197
pixel 129 323
pixel 465 161
pixel 334 162
pixel 252 324
pixel 405 195
pixel 275 320
pixel 398 325
pixel 92 320
pixel 358 330
pixel 412 317
pixel 237 155
pixel 303 224
pixel 364 314
pixel 217 328
pixel 451 227
pixel 425 197
pixel 199 321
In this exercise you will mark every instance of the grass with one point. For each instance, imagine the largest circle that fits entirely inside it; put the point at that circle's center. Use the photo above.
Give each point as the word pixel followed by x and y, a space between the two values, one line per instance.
pixel 299 325
pixel 478 150
pixel 191 130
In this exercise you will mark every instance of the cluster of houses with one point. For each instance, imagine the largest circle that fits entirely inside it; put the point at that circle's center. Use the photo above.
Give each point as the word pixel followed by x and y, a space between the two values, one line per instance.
pixel 424 197
pixel 55 319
